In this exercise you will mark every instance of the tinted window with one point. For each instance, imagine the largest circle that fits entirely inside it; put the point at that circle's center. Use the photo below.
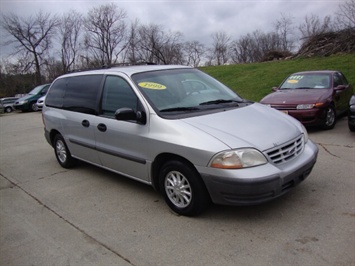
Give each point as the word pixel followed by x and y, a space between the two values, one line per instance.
pixel 339 79
pixel 55 95
pixel 75 93
pixel 117 94
pixel 81 93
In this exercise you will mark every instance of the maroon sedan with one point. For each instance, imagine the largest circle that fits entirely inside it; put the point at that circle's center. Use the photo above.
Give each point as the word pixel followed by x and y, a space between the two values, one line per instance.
pixel 312 97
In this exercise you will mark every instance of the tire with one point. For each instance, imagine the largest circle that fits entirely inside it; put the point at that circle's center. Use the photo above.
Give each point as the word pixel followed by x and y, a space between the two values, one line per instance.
pixel 62 152
pixel 330 118
pixel 351 127
pixel 33 107
pixel 8 109
pixel 183 189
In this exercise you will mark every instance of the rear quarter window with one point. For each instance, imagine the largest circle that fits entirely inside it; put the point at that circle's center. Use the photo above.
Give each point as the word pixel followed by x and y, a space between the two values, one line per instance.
pixel 78 93
pixel 55 95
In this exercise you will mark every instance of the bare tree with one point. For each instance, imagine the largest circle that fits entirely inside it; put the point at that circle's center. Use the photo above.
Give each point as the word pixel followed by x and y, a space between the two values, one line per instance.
pixel 194 51
pixel 71 25
pixel 106 33
pixel 346 14
pixel 220 47
pixel 131 53
pixel 254 47
pixel 154 45
pixel 31 36
pixel 312 26
pixel 284 28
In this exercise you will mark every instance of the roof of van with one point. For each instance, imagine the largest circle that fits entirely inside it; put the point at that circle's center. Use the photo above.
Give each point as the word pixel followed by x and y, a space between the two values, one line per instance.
pixel 128 70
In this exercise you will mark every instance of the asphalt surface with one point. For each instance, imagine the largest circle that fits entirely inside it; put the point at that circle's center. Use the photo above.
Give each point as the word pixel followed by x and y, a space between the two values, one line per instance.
pixel 88 216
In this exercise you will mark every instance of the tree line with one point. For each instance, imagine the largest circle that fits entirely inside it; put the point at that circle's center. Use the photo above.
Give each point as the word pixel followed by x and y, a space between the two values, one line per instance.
pixel 47 45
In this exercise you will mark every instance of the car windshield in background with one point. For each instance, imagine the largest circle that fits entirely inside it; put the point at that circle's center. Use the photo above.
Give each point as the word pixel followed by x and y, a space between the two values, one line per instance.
pixel 184 90
pixel 307 81
pixel 36 90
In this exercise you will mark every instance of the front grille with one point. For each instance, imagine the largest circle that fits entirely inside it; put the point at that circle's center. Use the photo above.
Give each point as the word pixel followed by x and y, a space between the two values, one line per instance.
pixel 286 151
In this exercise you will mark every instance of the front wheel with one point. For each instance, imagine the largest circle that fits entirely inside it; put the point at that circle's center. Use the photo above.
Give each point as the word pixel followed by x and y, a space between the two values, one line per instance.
pixel 330 117
pixel 183 189
pixel 33 107
pixel 62 152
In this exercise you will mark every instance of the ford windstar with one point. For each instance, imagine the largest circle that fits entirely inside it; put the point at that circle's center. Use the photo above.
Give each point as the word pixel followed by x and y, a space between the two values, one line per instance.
pixel 179 130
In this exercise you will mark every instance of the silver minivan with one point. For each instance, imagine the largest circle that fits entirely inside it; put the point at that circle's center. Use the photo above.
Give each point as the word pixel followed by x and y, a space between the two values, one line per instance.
pixel 180 131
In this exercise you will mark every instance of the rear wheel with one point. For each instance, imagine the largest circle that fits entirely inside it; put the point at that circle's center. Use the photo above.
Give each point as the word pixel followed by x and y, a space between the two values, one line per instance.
pixel 8 109
pixel 183 188
pixel 62 152
pixel 330 116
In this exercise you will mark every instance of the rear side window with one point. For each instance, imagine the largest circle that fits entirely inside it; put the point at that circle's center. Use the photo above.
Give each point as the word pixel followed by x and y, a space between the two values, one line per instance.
pixel 77 93
pixel 81 93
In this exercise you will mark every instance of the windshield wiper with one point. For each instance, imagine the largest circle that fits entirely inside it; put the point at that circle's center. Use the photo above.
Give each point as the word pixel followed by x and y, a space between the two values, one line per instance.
pixel 219 101
pixel 180 109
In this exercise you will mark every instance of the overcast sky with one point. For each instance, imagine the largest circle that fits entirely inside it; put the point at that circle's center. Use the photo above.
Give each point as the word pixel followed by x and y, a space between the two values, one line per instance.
pixel 195 19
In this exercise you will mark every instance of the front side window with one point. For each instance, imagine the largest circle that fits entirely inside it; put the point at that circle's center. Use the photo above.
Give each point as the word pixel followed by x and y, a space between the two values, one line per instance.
pixel 117 94
pixel 339 79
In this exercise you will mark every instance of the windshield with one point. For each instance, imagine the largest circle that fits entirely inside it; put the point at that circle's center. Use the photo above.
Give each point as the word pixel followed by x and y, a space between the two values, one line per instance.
pixel 183 90
pixel 307 81
pixel 36 90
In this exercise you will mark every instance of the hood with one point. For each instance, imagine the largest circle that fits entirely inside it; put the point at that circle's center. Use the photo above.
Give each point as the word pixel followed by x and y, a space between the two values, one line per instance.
pixel 255 126
pixel 26 97
pixel 297 96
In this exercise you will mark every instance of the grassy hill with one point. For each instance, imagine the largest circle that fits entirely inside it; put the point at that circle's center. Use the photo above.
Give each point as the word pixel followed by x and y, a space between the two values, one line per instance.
pixel 254 81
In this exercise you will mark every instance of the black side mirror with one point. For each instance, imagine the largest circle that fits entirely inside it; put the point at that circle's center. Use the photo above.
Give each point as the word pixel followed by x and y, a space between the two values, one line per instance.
pixel 275 89
pixel 126 114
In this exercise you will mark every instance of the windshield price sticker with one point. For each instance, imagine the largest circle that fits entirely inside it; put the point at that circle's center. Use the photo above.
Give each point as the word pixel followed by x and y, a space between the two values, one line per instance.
pixel 152 85
pixel 294 79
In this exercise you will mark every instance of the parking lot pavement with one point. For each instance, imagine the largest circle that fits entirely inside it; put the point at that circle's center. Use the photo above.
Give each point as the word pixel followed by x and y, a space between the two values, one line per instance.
pixel 89 216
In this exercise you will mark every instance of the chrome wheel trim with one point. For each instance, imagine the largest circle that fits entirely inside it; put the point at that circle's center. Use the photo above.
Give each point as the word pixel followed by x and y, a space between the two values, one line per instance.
pixel 178 189
pixel 61 151
pixel 330 117
pixel 34 107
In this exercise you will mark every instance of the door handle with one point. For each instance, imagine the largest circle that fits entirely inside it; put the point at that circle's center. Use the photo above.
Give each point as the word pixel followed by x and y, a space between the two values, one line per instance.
pixel 85 123
pixel 102 127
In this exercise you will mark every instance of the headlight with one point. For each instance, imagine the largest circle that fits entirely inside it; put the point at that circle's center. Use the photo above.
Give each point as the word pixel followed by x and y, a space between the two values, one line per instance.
pixel 23 102
pixel 236 159
pixel 305 133
pixel 305 106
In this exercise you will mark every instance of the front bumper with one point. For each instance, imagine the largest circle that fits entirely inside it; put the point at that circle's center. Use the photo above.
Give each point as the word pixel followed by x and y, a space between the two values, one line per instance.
pixel 258 184
pixel 21 107
pixel 311 117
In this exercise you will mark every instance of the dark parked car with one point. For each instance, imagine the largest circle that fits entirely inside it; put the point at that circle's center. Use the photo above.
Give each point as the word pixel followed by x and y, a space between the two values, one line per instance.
pixel 351 114
pixel 315 98
pixel 28 102
pixel 7 104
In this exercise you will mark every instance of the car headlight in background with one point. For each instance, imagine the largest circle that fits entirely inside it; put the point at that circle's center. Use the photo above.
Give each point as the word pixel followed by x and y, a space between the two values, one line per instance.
pixel 236 159
pixel 23 102
pixel 305 106
pixel 308 106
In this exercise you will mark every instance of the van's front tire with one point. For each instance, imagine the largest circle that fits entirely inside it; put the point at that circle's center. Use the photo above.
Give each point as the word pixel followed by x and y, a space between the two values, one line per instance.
pixel 62 152
pixel 183 188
